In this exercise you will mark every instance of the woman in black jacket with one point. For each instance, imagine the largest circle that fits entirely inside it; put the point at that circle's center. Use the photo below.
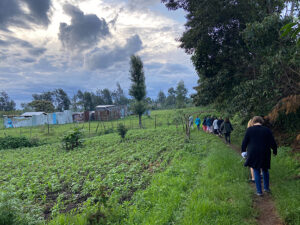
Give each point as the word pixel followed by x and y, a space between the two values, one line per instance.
pixel 258 141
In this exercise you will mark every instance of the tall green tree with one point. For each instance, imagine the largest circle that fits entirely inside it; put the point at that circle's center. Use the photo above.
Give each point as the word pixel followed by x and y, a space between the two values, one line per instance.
pixel 138 86
pixel 42 106
pixel 235 46
pixel 181 93
pixel 107 96
pixel 62 100
pixel 171 99
pixel 161 99
pixel 6 104
pixel 119 97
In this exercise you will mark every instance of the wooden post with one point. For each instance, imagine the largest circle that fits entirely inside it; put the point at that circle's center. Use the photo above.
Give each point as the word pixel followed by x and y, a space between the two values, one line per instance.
pixel 97 127
pixel 89 126
pixel 155 122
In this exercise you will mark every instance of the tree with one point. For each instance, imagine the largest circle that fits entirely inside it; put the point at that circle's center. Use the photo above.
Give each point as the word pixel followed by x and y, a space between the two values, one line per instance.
pixel 181 93
pixel 5 103
pixel 171 99
pixel 138 87
pixel 62 100
pixel 161 99
pixel 46 96
pixel 88 101
pixel 119 97
pixel 106 96
pixel 242 64
pixel 42 106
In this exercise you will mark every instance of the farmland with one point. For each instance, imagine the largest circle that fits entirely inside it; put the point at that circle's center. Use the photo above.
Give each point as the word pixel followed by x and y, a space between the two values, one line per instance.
pixel 154 176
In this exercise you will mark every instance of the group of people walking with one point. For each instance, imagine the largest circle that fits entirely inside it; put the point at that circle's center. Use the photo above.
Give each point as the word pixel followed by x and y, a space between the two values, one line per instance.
pixel 213 125
pixel 256 146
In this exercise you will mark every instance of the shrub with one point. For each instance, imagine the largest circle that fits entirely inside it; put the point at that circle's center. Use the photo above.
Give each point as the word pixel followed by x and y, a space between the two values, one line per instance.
pixel 10 212
pixel 9 142
pixel 122 130
pixel 72 139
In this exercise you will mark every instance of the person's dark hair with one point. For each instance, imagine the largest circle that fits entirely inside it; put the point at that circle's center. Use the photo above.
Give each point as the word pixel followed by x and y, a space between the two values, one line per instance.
pixel 257 119
pixel 227 120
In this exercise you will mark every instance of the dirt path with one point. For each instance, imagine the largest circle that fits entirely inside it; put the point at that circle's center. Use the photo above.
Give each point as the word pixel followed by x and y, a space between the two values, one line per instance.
pixel 267 214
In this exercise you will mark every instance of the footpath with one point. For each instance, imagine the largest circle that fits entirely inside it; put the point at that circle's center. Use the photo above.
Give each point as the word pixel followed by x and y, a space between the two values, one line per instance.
pixel 267 213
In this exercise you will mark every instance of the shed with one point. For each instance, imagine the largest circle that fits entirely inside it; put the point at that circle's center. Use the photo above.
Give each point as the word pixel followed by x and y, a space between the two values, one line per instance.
pixel 110 112
pixel 27 114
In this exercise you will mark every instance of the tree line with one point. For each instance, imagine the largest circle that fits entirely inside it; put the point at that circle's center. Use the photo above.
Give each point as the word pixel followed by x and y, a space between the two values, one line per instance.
pixel 58 100
pixel 245 65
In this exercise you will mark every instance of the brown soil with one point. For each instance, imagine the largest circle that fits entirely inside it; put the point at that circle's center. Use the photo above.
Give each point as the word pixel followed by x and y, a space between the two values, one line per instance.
pixel 267 214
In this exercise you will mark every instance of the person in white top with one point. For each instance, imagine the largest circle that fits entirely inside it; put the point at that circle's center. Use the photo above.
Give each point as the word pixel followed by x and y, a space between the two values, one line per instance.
pixel 215 126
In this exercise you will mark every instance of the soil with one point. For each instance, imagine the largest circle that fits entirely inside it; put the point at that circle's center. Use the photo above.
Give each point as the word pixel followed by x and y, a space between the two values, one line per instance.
pixel 267 214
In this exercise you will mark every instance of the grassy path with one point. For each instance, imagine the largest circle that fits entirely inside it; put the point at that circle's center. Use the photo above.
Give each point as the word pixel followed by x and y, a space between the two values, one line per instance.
pixel 204 185
pixel 285 197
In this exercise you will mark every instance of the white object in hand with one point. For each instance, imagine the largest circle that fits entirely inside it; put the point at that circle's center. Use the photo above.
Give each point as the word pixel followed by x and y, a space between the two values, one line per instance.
pixel 244 154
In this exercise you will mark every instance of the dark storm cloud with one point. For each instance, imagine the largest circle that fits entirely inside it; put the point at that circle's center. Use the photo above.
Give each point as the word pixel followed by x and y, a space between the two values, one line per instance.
pixel 84 31
pixel 12 13
pixel 39 11
pixel 103 58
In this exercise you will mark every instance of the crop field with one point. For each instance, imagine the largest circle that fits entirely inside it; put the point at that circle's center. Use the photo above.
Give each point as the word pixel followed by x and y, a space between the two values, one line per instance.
pixel 51 134
pixel 154 176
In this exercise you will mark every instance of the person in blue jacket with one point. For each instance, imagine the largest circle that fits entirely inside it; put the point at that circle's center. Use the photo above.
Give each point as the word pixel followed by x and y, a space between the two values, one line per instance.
pixel 198 122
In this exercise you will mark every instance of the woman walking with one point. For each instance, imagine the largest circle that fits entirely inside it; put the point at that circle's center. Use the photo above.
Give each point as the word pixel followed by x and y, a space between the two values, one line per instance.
pixel 250 124
pixel 198 122
pixel 226 129
pixel 204 124
pixel 259 141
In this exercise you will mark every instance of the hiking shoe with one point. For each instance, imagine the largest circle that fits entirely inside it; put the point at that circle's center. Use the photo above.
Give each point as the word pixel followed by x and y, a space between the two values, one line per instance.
pixel 259 194
pixel 267 191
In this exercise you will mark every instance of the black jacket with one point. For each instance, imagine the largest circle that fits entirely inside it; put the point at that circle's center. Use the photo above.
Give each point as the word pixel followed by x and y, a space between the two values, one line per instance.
pixel 258 141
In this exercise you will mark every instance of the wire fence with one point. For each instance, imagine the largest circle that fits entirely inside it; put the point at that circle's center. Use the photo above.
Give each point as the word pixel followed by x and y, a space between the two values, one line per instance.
pixel 51 133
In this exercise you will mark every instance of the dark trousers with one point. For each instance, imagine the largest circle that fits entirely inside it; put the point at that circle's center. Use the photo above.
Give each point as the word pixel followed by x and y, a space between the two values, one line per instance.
pixel 227 137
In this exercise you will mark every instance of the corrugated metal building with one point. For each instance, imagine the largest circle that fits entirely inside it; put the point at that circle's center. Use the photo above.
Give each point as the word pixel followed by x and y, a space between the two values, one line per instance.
pixel 110 112
pixel 37 118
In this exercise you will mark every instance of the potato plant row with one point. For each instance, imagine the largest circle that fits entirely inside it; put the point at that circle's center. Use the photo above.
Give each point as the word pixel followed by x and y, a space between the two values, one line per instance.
pixel 52 180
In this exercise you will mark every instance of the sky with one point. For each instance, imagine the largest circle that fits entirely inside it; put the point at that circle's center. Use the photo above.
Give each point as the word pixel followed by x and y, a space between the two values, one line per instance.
pixel 86 45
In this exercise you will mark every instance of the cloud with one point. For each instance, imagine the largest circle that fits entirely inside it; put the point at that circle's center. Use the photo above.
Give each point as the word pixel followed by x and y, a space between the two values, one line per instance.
pixel 140 4
pixel 27 60
pixel 39 11
pixel 37 51
pixel 85 31
pixel 14 13
pixel 105 58
pixel 9 12
pixel 13 41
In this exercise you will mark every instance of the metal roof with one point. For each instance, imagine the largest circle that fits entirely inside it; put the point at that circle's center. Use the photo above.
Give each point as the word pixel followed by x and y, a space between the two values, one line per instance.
pixel 33 113
pixel 104 106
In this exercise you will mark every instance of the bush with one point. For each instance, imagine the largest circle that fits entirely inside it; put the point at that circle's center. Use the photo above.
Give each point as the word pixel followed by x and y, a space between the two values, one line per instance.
pixel 10 212
pixel 122 130
pixel 72 139
pixel 9 142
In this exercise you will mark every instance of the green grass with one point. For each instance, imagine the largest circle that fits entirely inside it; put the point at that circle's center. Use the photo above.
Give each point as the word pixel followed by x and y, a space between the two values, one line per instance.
pixel 285 185
pixel 158 118
pixel 204 185
pixel 153 177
